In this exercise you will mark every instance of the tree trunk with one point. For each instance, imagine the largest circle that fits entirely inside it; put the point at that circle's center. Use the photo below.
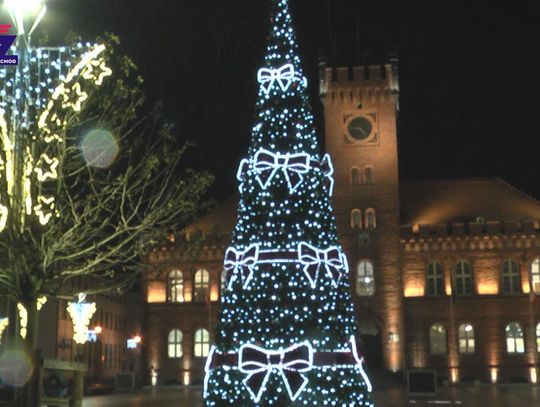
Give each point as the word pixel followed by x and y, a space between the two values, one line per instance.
pixel 31 396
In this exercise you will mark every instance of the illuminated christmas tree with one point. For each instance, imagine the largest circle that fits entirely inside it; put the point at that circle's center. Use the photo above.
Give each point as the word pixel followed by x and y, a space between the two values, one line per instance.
pixel 286 335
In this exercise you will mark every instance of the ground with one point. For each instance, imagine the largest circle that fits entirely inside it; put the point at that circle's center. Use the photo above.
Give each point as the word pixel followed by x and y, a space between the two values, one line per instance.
pixel 516 395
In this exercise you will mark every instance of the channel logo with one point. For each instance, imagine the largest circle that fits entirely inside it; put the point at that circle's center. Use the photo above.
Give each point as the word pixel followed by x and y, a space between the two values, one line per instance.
pixel 6 41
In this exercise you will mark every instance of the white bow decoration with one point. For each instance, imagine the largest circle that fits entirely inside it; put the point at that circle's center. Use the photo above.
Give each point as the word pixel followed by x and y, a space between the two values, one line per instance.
pixel 284 76
pixel 259 363
pixel 267 164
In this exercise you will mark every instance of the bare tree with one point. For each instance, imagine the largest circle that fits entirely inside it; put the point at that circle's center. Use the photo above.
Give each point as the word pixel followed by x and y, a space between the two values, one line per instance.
pixel 102 183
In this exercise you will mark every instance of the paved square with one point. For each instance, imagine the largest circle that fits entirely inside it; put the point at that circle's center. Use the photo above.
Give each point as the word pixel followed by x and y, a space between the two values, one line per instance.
pixel 516 395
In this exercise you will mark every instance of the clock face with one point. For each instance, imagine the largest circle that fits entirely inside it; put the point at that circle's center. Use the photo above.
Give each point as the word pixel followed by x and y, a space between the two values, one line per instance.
pixel 359 128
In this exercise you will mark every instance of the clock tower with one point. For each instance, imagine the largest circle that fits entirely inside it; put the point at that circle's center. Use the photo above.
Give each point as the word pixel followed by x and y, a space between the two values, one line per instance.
pixel 361 106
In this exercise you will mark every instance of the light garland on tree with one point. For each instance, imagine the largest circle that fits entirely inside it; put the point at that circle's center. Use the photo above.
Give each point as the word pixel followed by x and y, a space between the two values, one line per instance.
pixel 283 76
pixel 258 364
pixel 286 332
pixel 267 164
pixel 47 67
pixel 4 322
pixel 23 315
pixel 242 264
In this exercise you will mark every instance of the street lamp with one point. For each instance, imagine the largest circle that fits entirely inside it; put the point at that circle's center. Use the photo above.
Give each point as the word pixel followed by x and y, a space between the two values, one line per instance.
pixel 19 9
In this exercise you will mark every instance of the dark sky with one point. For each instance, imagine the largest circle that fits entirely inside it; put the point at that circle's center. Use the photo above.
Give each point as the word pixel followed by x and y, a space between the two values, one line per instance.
pixel 470 88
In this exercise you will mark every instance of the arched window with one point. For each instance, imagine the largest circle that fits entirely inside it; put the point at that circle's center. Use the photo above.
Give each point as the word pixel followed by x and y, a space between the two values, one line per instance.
pixel 514 338
pixel 437 340
pixel 434 279
pixel 538 337
pixel 356 219
pixel 371 221
pixel 175 285
pixel 466 338
pixel 511 280
pixel 202 343
pixel 174 344
pixel 200 286
pixel 365 282
pixel 369 176
pixel 355 176
pixel 463 281
pixel 535 275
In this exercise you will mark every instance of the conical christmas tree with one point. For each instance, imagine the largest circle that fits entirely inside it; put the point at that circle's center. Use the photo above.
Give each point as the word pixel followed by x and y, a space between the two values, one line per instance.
pixel 286 335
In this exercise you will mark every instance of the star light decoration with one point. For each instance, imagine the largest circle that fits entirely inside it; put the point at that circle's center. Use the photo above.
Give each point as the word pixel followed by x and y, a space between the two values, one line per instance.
pixel 4 322
pixel 53 78
pixel 23 315
pixel 81 313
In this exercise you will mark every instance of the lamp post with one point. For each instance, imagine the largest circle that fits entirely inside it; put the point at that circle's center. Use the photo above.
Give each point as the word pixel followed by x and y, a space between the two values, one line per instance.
pixel 44 78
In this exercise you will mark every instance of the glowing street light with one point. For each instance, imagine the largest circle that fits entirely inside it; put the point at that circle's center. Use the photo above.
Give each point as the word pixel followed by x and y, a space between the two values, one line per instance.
pixel 132 343
pixel 19 9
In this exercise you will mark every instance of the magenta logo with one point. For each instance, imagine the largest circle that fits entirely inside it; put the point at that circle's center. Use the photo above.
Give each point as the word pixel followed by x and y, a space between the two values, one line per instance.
pixel 5 43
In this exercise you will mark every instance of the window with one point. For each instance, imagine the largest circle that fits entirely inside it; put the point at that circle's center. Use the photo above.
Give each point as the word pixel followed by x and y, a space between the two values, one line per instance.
pixel 223 281
pixel 363 240
pixel 466 338
pixel 107 355
pixel 435 279
pixel 365 282
pixel 200 289
pixel 535 276
pixel 538 337
pixel 514 338
pixel 437 340
pixel 369 177
pixel 355 176
pixel 202 343
pixel 463 282
pixel 356 219
pixel 510 277
pixel 174 344
pixel 175 284
pixel 371 222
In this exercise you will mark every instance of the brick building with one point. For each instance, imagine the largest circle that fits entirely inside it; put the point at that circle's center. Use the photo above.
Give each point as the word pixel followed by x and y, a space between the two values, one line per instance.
pixel 444 272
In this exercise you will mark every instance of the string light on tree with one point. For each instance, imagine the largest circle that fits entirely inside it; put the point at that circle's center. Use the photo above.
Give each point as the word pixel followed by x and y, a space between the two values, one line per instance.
pixel 286 333
pixel 52 74
pixel 23 315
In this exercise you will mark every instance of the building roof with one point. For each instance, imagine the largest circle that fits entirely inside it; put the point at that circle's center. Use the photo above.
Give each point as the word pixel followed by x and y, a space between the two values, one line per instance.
pixel 220 220
pixel 464 200
pixel 421 202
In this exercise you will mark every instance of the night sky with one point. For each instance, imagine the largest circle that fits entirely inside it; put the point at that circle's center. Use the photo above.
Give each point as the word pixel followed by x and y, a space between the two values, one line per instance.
pixel 470 88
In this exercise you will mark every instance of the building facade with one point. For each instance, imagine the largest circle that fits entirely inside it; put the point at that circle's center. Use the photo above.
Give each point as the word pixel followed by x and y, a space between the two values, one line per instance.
pixel 117 319
pixel 445 274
